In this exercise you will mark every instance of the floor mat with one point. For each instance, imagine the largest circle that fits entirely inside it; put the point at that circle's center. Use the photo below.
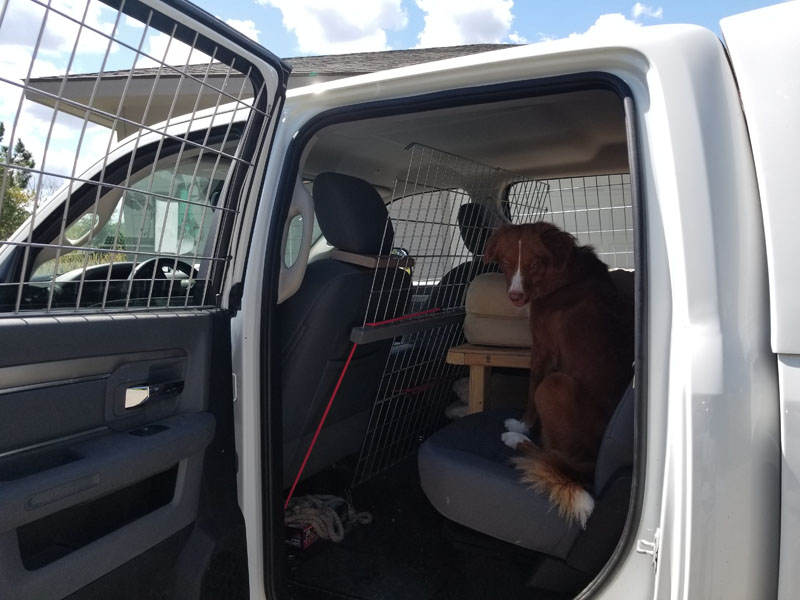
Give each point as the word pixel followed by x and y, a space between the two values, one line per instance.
pixel 403 554
pixel 353 574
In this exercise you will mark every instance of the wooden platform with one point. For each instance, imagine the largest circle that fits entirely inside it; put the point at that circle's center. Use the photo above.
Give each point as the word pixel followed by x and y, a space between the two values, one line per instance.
pixel 480 360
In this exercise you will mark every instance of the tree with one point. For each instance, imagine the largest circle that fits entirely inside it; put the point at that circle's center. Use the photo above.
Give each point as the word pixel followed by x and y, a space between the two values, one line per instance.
pixel 16 195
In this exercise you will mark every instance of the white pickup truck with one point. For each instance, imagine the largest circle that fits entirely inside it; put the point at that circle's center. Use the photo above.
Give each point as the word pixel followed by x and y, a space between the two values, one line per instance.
pixel 256 299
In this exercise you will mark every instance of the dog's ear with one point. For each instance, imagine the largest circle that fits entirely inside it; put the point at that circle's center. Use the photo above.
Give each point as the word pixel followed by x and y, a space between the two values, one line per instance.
pixel 490 248
pixel 559 245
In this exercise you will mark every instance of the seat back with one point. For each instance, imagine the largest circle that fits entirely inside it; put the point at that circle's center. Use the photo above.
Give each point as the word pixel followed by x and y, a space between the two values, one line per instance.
pixel 315 325
pixel 476 223
pixel 616 449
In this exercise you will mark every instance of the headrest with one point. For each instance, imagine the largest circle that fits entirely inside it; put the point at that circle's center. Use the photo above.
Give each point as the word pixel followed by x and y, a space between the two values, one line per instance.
pixel 492 320
pixel 476 223
pixel 351 214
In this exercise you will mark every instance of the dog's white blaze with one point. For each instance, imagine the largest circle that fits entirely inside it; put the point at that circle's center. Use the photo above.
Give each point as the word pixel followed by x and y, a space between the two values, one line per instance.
pixel 516 426
pixel 512 438
pixel 516 280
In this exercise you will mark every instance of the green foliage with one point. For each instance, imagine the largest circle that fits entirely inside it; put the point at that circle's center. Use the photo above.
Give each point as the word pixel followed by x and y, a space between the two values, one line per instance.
pixel 21 156
pixel 14 182
pixel 14 212
pixel 78 260
pixel 81 227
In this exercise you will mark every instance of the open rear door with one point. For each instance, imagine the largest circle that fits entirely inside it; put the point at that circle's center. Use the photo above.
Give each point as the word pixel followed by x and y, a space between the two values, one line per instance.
pixel 117 470
pixel 764 48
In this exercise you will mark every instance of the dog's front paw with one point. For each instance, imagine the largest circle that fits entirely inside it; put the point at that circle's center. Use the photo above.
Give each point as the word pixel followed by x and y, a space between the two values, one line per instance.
pixel 513 438
pixel 516 426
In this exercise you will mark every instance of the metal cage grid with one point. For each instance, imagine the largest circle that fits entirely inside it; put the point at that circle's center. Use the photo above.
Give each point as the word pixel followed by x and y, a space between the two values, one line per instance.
pixel 440 242
pixel 143 228
pixel 434 239
pixel 598 210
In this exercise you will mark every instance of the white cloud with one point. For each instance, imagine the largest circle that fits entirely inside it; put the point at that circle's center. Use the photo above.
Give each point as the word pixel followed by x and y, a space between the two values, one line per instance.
pixel 131 22
pixel 58 37
pixel 24 21
pixel 642 10
pixel 325 27
pixel 27 27
pixel 516 38
pixel 165 49
pixel 245 27
pixel 55 139
pixel 466 22
pixel 609 26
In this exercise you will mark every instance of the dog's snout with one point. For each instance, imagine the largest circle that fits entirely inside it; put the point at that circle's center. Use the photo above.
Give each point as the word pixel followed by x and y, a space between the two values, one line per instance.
pixel 515 297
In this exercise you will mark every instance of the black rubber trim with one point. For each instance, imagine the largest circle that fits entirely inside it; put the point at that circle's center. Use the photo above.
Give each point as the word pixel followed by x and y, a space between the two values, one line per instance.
pixel 270 393
pixel 235 301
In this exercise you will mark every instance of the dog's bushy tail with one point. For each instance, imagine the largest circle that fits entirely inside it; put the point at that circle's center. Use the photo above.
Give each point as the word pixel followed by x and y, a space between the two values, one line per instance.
pixel 551 473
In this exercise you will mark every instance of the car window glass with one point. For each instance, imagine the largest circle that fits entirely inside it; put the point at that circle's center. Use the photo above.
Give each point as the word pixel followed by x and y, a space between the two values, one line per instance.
pixel 164 213
pixel 294 239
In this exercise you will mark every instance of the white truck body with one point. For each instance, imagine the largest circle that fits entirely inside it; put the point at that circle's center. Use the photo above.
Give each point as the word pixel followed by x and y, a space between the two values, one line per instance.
pixel 712 137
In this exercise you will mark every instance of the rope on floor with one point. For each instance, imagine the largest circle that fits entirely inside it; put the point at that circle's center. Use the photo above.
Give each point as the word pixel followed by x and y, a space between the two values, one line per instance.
pixel 330 516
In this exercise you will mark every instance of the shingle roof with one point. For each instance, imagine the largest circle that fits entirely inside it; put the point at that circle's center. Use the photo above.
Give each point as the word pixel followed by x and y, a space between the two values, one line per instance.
pixel 331 64
pixel 369 62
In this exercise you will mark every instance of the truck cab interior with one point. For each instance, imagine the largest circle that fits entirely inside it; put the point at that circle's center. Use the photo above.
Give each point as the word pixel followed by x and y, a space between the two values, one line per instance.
pixel 404 198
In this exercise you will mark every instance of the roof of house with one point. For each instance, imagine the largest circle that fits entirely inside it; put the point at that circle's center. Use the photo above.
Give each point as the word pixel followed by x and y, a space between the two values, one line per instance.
pixel 325 65
pixel 369 62
pixel 147 104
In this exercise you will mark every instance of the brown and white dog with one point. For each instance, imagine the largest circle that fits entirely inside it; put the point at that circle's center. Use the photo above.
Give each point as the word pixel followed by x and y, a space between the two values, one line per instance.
pixel 581 358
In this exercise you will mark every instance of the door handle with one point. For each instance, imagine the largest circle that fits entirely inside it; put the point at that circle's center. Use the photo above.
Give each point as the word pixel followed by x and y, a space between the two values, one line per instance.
pixel 136 395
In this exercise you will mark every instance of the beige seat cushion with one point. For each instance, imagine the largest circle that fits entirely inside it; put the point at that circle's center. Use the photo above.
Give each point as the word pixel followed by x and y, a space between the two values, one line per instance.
pixel 491 319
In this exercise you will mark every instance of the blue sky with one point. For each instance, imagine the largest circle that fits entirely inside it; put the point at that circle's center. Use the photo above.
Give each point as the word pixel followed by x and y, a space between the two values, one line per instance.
pixel 301 27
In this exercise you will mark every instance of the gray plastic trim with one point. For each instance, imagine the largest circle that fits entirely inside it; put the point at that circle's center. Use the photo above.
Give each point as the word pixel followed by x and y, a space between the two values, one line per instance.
pixel 59 372
pixel 108 463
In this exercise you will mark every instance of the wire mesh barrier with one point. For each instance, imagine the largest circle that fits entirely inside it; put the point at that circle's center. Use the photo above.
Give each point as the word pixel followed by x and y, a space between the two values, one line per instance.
pixel 147 225
pixel 598 210
pixel 441 214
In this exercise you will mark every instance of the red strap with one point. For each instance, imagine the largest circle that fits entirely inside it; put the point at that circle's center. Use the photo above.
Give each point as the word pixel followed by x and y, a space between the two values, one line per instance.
pixel 321 423
pixel 336 390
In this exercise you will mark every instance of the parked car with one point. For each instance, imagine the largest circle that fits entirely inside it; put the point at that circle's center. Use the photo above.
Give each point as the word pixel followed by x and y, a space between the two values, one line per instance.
pixel 256 299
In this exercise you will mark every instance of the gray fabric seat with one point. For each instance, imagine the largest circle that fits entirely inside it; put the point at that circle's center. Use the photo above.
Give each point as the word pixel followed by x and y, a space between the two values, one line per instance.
pixel 315 325
pixel 466 474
